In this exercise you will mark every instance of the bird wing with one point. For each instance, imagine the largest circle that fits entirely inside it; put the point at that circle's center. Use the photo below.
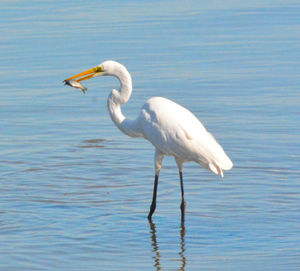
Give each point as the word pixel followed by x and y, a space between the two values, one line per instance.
pixel 175 131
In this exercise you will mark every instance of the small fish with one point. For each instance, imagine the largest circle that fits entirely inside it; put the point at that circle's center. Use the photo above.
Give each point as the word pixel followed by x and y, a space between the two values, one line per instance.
pixel 75 84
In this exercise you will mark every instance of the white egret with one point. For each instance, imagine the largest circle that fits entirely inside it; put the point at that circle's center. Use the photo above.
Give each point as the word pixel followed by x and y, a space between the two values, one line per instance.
pixel 172 129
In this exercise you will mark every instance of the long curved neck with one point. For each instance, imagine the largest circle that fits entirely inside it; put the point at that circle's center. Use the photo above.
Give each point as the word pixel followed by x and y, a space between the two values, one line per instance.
pixel 119 97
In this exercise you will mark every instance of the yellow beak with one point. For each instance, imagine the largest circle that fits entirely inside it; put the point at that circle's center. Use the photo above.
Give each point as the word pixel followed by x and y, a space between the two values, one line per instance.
pixel 86 74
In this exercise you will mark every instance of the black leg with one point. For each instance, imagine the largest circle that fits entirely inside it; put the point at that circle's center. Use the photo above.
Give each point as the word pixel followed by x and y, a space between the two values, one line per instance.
pixel 182 206
pixel 153 204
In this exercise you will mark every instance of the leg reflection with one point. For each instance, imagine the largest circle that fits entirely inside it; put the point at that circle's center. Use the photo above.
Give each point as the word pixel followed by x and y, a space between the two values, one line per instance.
pixel 155 246
pixel 157 256
pixel 182 246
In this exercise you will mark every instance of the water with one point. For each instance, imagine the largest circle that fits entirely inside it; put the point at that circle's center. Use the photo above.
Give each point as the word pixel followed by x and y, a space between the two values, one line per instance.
pixel 75 192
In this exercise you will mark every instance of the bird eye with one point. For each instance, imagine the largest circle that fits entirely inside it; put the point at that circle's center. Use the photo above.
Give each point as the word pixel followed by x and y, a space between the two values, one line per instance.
pixel 98 69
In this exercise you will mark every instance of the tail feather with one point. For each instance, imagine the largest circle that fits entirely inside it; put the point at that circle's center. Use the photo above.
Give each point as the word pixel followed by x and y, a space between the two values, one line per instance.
pixel 216 169
pixel 219 156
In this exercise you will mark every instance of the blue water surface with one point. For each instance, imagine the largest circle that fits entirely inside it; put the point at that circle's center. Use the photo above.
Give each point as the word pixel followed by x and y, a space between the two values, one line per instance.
pixel 75 191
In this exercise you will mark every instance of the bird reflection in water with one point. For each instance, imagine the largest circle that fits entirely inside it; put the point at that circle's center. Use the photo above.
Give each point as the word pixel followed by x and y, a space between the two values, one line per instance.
pixel 155 247
pixel 182 248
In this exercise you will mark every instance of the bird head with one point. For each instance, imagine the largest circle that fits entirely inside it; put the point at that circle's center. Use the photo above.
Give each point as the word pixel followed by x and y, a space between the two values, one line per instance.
pixel 106 68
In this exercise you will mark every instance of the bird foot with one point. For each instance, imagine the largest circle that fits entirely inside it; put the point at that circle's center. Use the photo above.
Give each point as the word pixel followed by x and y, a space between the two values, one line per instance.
pixel 152 209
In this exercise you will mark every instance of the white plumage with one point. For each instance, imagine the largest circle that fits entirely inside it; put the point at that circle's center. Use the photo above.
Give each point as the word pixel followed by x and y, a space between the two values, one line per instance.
pixel 175 131
pixel 172 129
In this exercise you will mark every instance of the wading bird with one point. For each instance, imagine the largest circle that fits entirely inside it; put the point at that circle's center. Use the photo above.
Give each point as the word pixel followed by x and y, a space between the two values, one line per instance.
pixel 172 129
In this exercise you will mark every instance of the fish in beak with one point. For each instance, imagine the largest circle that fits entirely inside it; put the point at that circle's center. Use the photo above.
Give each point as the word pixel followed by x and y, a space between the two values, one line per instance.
pixel 88 74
